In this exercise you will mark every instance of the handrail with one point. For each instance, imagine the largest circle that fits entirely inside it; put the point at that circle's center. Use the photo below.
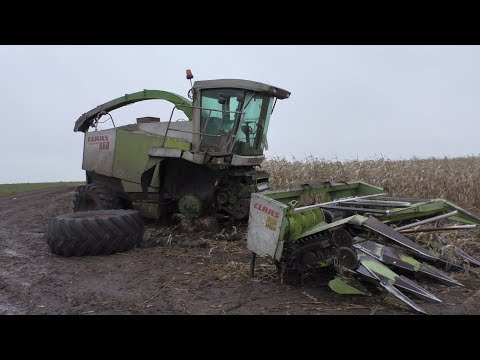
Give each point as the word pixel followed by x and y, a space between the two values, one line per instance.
pixel 203 132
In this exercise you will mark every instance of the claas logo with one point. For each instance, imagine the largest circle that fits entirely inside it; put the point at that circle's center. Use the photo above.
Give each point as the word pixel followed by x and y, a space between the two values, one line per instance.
pixel 266 210
pixel 97 138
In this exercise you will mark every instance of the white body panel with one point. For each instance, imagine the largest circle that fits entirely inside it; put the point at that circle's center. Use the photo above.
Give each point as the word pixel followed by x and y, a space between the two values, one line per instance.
pixel 193 157
pixel 238 160
pixel 98 151
pixel 129 186
pixel 165 152
pixel 264 225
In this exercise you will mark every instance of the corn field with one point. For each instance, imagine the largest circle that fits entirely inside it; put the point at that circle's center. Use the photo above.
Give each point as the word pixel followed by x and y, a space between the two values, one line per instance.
pixel 454 179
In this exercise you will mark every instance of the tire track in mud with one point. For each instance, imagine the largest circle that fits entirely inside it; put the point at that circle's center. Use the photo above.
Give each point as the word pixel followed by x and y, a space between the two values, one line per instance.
pixel 17 211
pixel 23 220
pixel 32 195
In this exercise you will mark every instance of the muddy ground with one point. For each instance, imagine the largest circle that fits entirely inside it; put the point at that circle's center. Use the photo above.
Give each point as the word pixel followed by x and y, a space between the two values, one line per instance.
pixel 179 273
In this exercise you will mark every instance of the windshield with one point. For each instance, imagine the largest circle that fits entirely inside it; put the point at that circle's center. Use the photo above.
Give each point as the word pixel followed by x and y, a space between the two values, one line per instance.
pixel 223 109
pixel 252 132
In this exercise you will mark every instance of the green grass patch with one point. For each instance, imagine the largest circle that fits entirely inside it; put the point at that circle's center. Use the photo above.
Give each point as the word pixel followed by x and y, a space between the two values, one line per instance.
pixel 13 189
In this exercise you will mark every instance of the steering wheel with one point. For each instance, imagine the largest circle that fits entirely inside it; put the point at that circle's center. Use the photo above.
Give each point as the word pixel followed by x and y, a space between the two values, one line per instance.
pixel 247 129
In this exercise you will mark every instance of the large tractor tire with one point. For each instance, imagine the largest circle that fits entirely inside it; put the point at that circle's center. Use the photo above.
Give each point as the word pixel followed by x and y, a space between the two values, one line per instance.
pixel 100 232
pixel 93 197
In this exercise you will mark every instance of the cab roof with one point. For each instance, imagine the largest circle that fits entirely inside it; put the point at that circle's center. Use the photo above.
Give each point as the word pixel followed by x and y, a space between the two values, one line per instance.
pixel 243 84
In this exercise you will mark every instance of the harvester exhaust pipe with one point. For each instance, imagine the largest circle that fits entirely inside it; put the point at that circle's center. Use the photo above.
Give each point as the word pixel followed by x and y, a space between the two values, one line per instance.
pixel 190 77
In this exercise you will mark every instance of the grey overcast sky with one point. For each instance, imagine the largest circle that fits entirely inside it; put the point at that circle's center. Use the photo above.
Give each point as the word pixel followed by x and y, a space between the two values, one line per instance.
pixel 347 102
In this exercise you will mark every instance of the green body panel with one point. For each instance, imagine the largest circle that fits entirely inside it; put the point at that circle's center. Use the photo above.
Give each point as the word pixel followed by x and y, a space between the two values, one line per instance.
pixel 387 254
pixel 414 211
pixel 176 144
pixel 410 260
pixel 378 268
pixel 347 286
pixel 430 208
pixel 131 154
pixel 356 220
pixel 181 103
pixel 462 216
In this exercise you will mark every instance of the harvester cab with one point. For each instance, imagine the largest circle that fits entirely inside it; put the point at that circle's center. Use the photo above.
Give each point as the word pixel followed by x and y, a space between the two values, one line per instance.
pixel 231 119
pixel 207 164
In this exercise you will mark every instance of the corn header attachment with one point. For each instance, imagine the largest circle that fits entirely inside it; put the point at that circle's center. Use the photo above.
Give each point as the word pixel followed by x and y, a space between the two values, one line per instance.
pixel 360 232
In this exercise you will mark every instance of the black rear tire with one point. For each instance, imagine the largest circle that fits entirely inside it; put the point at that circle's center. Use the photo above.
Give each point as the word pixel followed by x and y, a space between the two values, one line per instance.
pixel 100 232
pixel 93 197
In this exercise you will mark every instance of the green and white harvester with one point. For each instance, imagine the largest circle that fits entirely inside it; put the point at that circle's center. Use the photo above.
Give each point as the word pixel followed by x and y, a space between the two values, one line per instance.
pixel 205 164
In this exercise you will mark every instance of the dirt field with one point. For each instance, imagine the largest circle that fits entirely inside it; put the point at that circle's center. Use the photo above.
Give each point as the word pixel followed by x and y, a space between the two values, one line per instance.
pixel 174 273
